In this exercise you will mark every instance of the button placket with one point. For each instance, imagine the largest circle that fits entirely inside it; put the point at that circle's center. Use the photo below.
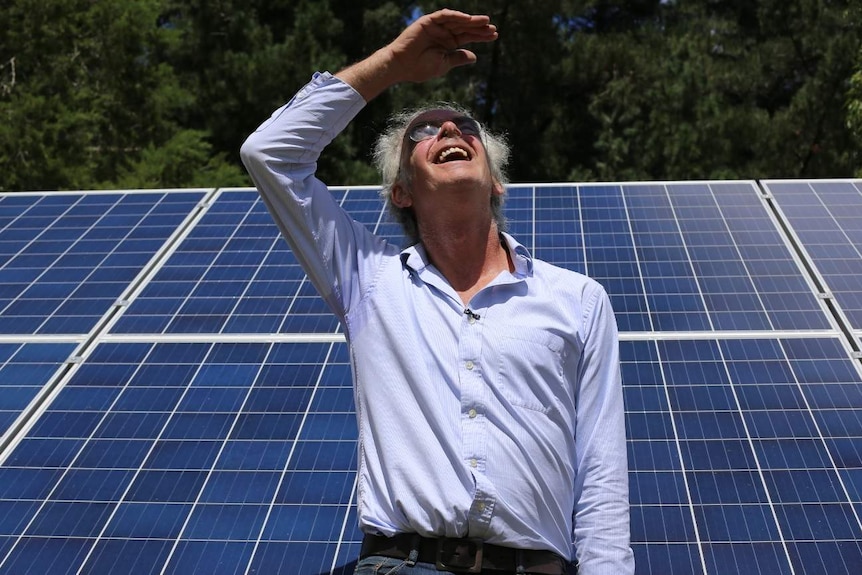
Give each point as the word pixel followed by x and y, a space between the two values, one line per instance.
pixel 473 400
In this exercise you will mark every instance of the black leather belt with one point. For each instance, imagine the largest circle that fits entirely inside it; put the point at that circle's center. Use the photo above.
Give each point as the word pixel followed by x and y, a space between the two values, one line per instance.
pixel 463 555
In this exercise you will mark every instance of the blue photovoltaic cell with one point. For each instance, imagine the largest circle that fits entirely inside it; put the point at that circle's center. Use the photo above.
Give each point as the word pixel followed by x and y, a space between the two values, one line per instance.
pixel 236 456
pixel 558 232
pixel 676 257
pixel 24 370
pixel 735 461
pixel 66 258
pixel 826 216
pixel 744 455
pixel 233 273
pixel 673 257
pixel 189 455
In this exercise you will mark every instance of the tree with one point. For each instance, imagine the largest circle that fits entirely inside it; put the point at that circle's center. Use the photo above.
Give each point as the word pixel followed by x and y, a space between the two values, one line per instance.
pixel 729 90
pixel 854 109
pixel 163 92
pixel 84 92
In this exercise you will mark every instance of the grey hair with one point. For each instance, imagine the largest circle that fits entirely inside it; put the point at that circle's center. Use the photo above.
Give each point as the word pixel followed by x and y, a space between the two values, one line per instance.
pixel 388 157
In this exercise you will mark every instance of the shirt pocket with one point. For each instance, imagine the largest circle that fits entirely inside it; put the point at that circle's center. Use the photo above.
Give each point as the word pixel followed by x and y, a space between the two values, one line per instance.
pixel 530 367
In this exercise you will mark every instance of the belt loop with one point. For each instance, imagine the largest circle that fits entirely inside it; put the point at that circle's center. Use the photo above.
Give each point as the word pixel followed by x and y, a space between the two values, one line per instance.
pixel 413 556
pixel 519 562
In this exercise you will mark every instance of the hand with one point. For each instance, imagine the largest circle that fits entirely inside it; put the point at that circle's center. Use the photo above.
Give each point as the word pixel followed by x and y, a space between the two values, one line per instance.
pixel 428 48
pixel 432 45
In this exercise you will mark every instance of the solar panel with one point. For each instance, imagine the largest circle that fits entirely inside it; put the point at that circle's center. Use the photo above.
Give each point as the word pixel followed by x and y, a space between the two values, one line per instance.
pixel 734 446
pixel 66 258
pixel 826 219
pixel 233 273
pixel 185 444
pixel 207 423
pixel 676 257
pixel 26 369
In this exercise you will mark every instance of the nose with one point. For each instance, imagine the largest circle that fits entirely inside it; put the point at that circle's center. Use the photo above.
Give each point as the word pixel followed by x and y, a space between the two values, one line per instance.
pixel 448 129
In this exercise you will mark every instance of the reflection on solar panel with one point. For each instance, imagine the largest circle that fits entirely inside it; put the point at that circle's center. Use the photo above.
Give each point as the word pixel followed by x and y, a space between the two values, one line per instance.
pixel 197 415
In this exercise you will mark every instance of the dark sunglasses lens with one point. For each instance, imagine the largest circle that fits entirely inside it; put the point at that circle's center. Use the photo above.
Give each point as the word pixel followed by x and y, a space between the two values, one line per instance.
pixel 425 130
pixel 468 126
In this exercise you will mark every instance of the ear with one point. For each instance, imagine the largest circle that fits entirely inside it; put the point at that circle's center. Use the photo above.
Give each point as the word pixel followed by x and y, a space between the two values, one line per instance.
pixel 400 197
pixel 497 189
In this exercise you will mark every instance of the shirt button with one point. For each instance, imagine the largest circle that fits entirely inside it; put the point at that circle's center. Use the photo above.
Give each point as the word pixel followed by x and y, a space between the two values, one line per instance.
pixel 472 413
pixel 473 463
pixel 469 365
pixel 480 506
pixel 471 319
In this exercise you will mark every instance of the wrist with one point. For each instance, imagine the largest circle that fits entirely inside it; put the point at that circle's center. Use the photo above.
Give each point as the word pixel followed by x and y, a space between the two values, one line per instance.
pixel 372 75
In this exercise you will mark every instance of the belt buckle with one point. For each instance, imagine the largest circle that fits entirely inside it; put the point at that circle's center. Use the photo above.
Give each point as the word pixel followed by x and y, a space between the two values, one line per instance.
pixel 459 555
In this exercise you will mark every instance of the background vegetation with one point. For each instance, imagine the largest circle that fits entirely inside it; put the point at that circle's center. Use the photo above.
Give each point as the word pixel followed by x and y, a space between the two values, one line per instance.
pixel 161 93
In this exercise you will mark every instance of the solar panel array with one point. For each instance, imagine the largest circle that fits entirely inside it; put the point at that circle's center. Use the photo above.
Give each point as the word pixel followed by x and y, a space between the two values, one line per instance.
pixel 175 398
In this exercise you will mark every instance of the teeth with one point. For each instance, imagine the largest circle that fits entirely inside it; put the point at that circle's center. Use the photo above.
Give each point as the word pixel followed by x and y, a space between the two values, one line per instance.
pixel 454 150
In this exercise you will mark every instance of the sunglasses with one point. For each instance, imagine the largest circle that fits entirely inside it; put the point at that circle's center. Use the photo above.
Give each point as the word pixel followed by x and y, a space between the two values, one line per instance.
pixel 430 128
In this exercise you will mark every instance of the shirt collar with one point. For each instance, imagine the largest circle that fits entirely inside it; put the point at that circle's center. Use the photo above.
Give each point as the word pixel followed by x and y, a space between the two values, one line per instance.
pixel 415 257
pixel 521 256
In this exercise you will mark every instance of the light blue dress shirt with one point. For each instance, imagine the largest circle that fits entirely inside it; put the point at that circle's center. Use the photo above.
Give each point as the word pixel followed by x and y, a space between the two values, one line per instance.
pixel 504 421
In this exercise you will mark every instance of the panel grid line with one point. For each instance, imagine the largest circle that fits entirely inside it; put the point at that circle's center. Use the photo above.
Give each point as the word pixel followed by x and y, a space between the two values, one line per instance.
pixel 839 316
pixel 56 486
pixel 136 472
pixel 689 260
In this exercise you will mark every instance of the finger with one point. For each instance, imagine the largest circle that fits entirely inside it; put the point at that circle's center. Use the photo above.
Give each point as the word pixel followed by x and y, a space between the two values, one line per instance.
pixel 458 24
pixel 466 28
pixel 451 39
pixel 449 17
pixel 459 57
pixel 470 37
pixel 465 25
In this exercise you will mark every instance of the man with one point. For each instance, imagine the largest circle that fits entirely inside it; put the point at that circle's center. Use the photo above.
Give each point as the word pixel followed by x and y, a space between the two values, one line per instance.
pixel 488 398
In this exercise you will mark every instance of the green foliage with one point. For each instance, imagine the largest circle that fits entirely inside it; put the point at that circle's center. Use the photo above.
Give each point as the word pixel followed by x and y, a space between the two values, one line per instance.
pixel 725 90
pixel 161 93
pixel 186 157
pixel 854 106
pixel 78 92
pixel 854 100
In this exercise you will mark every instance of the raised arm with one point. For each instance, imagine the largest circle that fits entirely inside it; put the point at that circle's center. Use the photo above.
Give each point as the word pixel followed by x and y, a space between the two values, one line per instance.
pixel 281 156
pixel 428 48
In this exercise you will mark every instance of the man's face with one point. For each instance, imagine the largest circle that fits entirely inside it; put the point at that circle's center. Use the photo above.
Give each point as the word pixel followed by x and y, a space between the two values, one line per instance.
pixel 443 151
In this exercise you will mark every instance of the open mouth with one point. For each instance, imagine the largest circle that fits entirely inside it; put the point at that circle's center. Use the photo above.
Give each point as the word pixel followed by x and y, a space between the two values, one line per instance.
pixel 452 154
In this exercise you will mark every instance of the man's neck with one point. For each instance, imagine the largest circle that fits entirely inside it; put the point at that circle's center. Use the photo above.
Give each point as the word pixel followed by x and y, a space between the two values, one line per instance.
pixel 468 256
